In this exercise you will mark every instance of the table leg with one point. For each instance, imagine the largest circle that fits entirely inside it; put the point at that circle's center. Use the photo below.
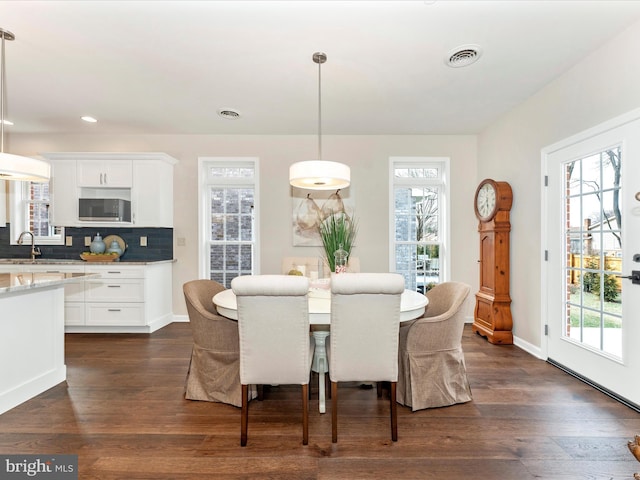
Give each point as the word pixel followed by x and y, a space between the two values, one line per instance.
pixel 320 364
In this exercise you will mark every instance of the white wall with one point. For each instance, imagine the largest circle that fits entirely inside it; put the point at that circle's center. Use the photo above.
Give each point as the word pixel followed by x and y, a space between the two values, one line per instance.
pixel 368 157
pixel 602 86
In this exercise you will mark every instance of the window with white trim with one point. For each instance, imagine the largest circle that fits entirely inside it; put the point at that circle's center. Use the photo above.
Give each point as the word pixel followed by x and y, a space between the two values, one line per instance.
pixel 229 240
pixel 419 220
pixel 30 204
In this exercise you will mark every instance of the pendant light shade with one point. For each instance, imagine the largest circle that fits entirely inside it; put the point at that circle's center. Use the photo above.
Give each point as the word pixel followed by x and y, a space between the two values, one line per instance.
pixel 319 174
pixel 15 167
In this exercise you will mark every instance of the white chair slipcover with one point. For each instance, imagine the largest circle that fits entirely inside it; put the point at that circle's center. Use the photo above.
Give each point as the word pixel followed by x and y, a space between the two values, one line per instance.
pixel 363 345
pixel 275 343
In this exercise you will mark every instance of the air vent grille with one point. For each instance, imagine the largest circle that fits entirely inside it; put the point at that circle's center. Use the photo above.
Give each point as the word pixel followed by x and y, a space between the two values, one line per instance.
pixel 463 56
pixel 229 113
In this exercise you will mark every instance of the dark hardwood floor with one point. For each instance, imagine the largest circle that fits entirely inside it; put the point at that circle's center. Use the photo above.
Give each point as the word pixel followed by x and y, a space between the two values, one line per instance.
pixel 122 410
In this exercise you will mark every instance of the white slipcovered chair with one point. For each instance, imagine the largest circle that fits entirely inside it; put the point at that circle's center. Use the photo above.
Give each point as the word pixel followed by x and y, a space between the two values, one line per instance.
pixel 431 361
pixel 363 344
pixel 275 343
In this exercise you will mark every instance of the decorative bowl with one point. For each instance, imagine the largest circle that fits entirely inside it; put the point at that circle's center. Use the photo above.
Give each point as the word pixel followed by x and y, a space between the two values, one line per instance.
pixel 99 257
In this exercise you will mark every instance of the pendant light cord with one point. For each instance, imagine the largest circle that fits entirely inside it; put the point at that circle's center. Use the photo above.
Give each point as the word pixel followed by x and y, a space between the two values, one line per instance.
pixel 319 111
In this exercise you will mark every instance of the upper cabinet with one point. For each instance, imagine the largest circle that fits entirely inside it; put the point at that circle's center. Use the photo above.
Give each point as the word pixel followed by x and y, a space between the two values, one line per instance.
pixel 144 179
pixel 105 174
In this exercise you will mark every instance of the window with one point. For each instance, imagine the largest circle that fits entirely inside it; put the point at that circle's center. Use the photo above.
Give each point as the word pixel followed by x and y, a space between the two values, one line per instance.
pixel 228 214
pixel 419 220
pixel 30 204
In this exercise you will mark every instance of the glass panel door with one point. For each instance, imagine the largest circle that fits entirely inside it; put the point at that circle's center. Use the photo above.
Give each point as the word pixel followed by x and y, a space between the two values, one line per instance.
pixel 592 221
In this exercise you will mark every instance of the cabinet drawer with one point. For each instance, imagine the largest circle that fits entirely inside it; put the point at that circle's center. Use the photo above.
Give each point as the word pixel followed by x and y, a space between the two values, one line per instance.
pixel 121 290
pixel 74 313
pixel 115 271
pixel 114 315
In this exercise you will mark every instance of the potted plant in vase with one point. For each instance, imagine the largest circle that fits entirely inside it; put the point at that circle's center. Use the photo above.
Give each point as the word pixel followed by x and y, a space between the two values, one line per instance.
pixel 337 231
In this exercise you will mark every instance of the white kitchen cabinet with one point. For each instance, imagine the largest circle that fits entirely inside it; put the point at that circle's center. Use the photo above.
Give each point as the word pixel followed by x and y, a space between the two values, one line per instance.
pixel 64 194
pixel 105 173
pixel 125 298
pixel 144 178
pixel 152 194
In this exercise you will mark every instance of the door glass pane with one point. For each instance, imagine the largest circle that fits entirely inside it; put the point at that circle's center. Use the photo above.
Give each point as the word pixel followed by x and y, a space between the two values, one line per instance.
pixel 594 252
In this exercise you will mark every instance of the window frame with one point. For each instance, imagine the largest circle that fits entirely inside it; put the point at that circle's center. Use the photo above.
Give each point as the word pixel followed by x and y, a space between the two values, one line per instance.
pixel 205 182
pixel 19 220
pixel 441 181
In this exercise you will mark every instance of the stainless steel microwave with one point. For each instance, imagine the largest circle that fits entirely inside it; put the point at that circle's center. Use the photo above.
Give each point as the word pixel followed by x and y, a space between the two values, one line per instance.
pixel 104 210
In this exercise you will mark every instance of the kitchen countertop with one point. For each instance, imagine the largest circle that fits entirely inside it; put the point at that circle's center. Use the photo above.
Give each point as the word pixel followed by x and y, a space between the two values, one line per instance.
pixel 14 282
pixel 64 261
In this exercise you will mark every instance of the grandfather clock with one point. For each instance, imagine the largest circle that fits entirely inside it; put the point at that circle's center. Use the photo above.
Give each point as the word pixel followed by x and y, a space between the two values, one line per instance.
pixel 492 314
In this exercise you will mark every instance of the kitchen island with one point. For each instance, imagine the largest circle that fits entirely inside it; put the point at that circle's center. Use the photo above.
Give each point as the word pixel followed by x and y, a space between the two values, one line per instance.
pixel 31 334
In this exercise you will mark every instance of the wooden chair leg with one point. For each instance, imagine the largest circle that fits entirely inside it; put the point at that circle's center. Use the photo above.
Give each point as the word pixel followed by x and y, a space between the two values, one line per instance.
pixel 379 389
pixel 334 412
pixel 260 392
pixel 394 412
pixel 244 416
pixel 327 387
pixel 305 414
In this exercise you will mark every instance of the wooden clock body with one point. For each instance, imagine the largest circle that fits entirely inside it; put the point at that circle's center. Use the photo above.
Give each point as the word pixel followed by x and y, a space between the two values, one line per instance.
pixel 492 314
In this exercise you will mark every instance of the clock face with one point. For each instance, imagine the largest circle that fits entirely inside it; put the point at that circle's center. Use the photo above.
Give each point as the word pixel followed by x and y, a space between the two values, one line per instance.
pixel 486 201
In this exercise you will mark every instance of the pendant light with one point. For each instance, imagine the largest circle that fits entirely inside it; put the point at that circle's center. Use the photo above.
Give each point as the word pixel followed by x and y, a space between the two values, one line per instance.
pixel 319 174
pixel 16 167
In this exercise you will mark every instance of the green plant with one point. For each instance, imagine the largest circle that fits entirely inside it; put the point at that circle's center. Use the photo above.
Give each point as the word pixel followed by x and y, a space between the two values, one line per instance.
pixel 591 283
pixel 337 229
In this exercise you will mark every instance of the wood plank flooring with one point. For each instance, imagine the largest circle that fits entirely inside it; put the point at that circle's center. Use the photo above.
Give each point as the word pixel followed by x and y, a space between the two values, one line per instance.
pixel 122 410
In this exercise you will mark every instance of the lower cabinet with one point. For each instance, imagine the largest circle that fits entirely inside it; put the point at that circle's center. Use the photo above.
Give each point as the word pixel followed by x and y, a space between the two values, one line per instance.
pixel 123 299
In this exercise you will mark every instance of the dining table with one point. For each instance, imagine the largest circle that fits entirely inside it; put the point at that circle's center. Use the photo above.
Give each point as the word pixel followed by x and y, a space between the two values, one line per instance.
pixel 412 306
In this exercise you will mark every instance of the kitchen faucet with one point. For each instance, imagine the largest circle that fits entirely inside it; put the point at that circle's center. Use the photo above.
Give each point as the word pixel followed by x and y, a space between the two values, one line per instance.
pixel 34 250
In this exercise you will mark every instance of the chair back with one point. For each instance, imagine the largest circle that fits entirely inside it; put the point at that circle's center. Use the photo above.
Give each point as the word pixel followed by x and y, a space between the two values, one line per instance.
pixel 273 322
pixel 448 302
pixel 365 319
pixel 198 295
pixel 210 330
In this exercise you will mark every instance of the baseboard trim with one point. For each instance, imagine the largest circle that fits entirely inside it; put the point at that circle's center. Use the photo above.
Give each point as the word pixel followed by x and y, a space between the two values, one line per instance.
pixel 528 347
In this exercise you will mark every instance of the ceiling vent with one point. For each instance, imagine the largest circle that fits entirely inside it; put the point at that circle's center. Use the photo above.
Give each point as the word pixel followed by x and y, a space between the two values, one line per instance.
pixel 229 113
pixel 463 56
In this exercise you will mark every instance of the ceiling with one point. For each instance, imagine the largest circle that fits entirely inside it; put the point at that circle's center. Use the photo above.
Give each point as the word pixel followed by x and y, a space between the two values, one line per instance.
pixel 167 67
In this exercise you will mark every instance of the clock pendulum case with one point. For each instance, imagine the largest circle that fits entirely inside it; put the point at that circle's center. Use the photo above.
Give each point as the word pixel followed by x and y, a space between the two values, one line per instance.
pixel 492 314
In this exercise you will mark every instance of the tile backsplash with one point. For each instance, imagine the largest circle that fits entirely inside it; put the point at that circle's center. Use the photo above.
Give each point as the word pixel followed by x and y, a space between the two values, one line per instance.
pixel 159 244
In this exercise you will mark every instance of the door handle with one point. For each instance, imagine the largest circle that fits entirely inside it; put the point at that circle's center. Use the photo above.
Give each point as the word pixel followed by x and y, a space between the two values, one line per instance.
pixel 635 277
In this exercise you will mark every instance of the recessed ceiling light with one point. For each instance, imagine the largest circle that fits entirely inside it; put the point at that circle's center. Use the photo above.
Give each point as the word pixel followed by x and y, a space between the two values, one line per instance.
pixel 463 56
pixel 89 119
pixel 229 113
